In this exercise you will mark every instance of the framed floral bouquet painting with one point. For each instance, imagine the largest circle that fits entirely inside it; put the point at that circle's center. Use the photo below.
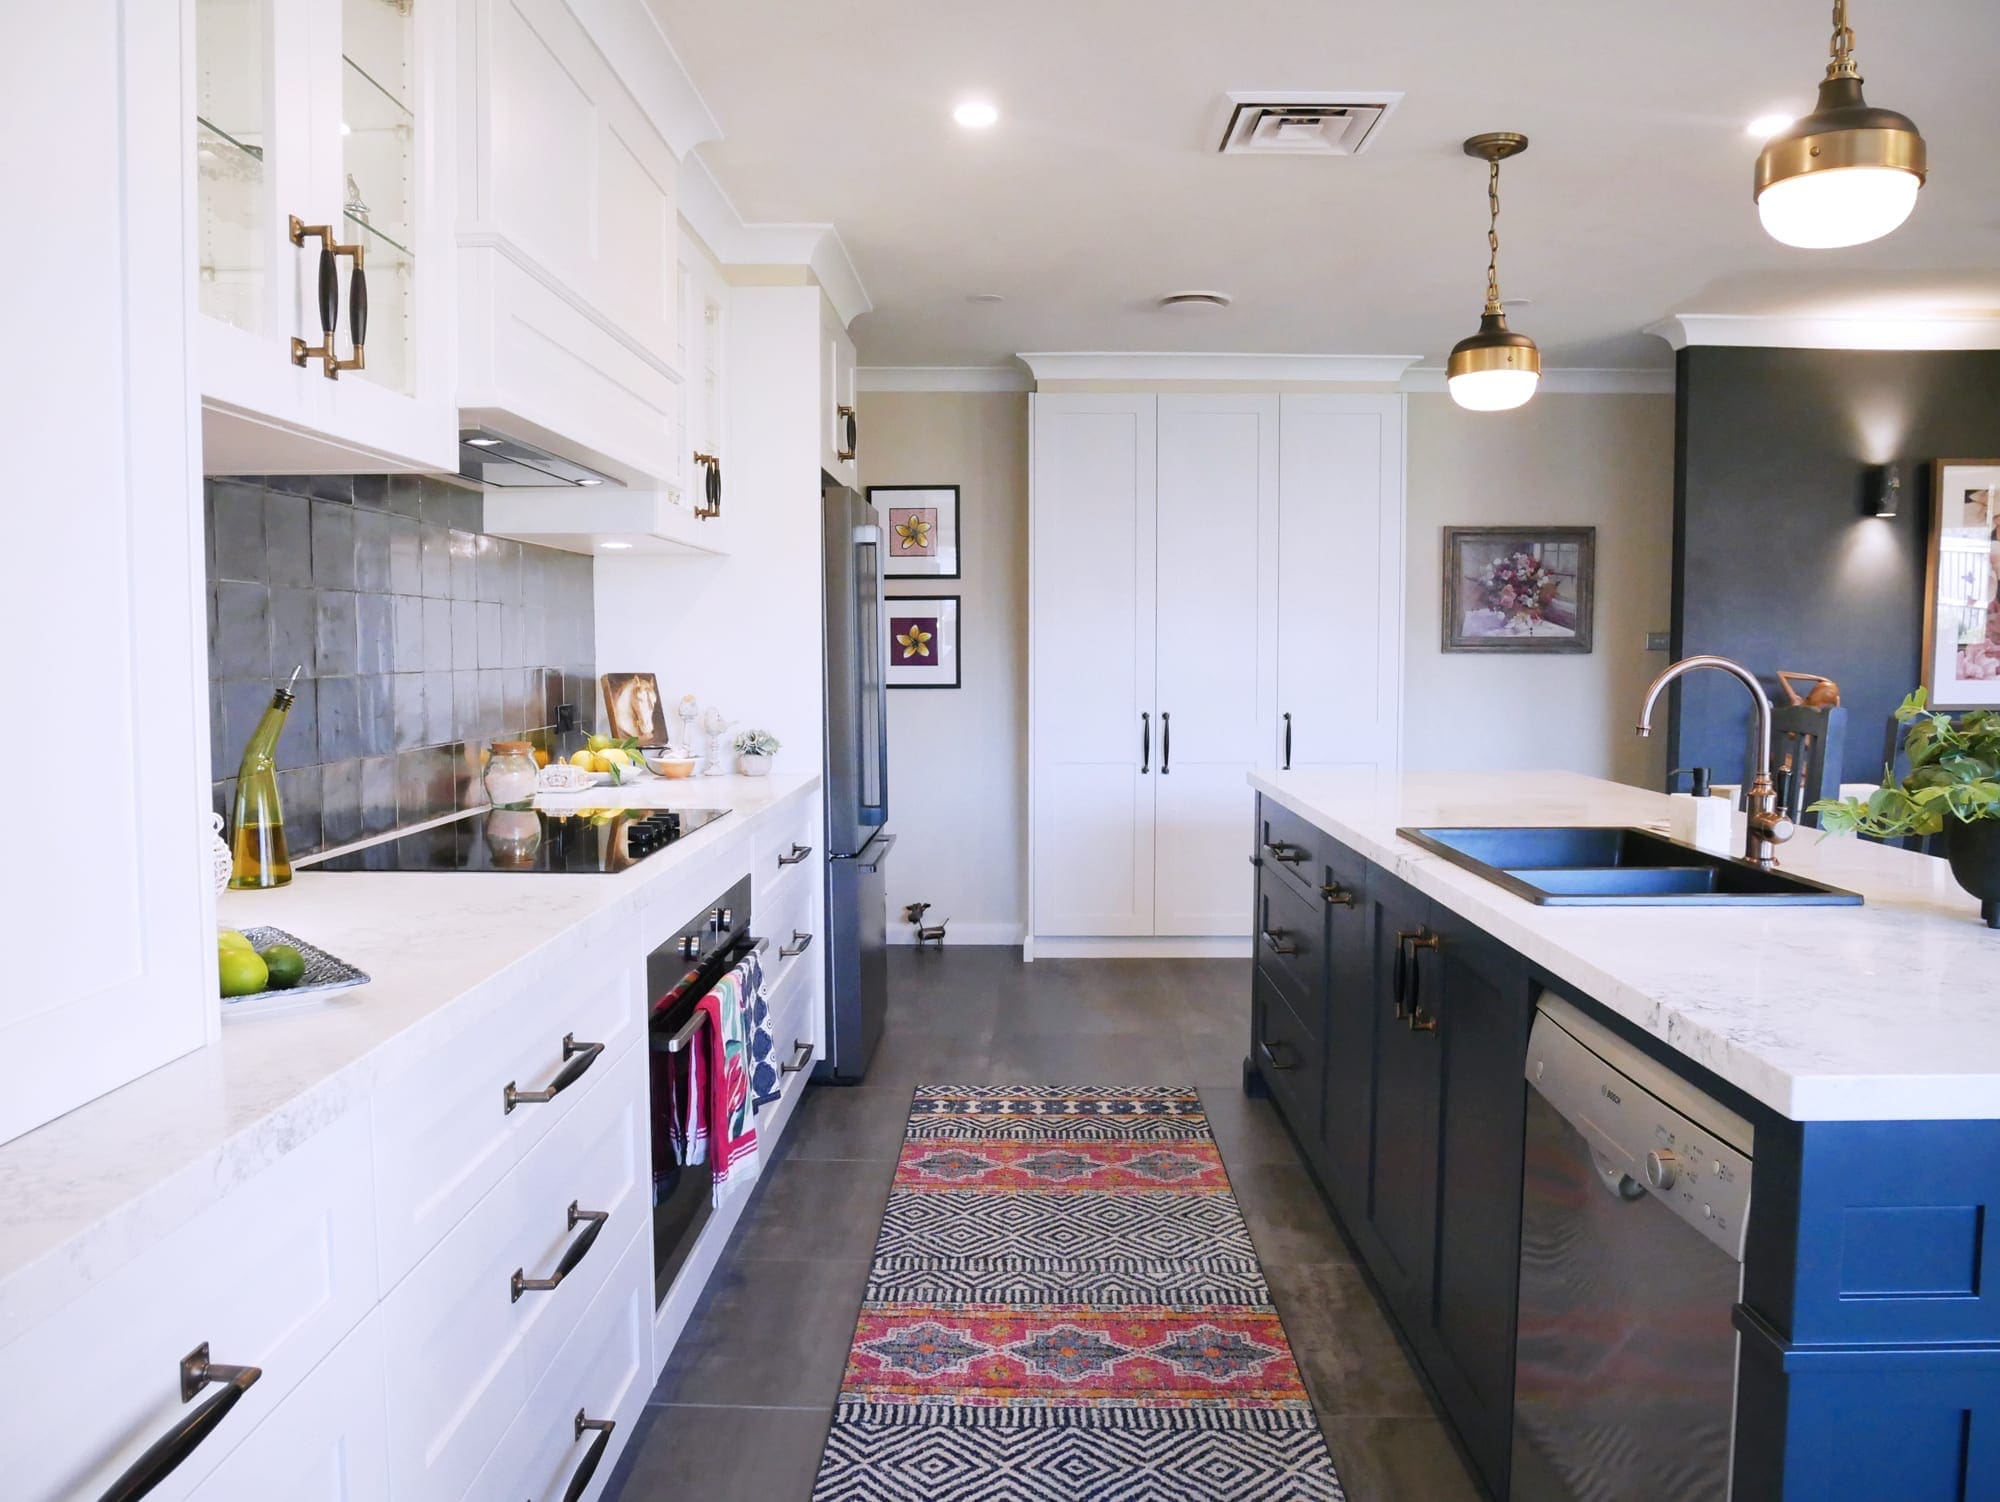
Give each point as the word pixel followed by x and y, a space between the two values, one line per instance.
pixel 1518 589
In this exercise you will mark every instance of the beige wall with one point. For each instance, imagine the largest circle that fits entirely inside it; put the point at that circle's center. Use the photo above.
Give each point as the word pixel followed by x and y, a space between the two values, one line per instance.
pixel 1602 461
pixel 958 759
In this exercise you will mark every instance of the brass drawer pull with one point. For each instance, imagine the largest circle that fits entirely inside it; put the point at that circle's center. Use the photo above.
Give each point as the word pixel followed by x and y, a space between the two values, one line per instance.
pixel 1337 895
pixel 799 945
pixel 799 852
pixel 578 1249
pixel 580 1057
pixel 580 1482
pixel 1277 941
pixel 802 1056
pixel 166 1453
pixel 1290 854
pixel 1264 1047
pixel 848 434
pixel 331 365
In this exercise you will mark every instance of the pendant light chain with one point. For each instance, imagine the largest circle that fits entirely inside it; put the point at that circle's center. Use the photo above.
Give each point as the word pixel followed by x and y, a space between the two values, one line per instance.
pixel 1493 237
pixel 1843 64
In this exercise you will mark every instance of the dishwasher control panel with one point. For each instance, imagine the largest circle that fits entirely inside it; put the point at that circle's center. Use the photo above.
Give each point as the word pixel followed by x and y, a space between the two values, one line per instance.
pixel 1641 1143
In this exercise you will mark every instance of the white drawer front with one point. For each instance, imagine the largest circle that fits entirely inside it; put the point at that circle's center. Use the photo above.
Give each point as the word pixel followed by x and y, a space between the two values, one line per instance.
pixel 789 919
pixel 272 1277
pixel 443 1133
pixel 603 1372
pixel 795 1020
pixel 464 1352
pixel 782 838
pixel 328 1441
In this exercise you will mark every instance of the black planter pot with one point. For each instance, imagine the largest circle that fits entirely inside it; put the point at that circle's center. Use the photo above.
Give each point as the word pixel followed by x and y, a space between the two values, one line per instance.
pixel 1974 852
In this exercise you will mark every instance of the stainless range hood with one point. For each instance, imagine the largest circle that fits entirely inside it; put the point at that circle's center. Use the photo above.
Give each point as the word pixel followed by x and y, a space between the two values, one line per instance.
pixel 495 461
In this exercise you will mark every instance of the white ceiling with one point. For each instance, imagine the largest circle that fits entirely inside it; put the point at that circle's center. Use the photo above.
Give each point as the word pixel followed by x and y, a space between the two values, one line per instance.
pixel 1101 187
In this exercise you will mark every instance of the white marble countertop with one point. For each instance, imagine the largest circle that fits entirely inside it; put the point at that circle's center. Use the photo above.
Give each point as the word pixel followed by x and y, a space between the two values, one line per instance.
pixel 1886 1012
pixel 86 1192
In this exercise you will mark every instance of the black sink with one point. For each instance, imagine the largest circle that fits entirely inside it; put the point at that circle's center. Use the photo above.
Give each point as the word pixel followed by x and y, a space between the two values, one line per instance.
pixel 1590 866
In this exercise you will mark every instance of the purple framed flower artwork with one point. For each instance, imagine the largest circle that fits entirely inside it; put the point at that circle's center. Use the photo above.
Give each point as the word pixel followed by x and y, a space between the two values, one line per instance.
pixel 1518 589
pixel 923 642
pixel 919 530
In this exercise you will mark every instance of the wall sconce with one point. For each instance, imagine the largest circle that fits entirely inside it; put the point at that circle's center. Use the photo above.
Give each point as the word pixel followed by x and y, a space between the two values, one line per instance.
pixel 1885 490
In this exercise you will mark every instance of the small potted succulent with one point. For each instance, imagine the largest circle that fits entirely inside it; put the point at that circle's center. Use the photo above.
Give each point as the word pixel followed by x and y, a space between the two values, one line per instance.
pixel 754 752
pixel 1953 789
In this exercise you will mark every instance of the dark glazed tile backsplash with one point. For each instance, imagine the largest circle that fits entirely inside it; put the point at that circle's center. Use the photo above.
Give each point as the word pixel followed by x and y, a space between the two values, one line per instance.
pixel 421 638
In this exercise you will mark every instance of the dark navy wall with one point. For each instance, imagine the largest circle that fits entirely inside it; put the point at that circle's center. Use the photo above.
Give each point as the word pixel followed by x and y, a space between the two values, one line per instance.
pixel 1776 561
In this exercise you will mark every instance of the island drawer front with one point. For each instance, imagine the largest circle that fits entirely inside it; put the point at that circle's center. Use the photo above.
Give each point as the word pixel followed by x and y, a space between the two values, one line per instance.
pixel 1290 945
pixel 789 918
pixel 443 1134
pixel 1287 843
pixel 781 837
pixel 1288 1057
pixel 327 1442
pixel 464 1352
pixel 794 1022
pixel 273 1277
pixel 604 1372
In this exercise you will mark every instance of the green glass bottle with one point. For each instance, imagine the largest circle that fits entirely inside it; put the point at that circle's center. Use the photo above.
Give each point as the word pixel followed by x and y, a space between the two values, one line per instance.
pixel 258 842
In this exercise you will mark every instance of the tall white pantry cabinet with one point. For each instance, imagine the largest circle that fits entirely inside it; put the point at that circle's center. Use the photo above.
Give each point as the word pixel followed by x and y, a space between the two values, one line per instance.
pixel 1216 585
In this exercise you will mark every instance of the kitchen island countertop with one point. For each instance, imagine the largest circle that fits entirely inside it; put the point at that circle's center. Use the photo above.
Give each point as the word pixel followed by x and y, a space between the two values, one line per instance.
pixel 1890 1011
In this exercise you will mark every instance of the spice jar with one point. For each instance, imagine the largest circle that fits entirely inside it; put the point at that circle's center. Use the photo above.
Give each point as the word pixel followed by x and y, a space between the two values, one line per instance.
pixel 510 775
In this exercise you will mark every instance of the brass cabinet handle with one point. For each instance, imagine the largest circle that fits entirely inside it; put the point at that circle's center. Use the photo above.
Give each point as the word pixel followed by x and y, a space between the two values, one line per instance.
pixel 802 1055
pixel 799 853
pixel 801 942
pixel 1417 1019
pixel 580 1482
pixel 711 487
pixel 580 1056
pixel 1284 850
pixel 1337 895
pixel 357 311
pixel 331 365
pixel 166 1453
pixel 593 1220
pixel 848 433
pixel 1264 1047
pixel 1278 942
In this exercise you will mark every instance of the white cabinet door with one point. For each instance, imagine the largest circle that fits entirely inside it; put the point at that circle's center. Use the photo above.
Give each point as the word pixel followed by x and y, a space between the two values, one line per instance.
pixel 842 427
pixel 97 305
pixel 1095 739
pixel 1340 582
pixel 1218 499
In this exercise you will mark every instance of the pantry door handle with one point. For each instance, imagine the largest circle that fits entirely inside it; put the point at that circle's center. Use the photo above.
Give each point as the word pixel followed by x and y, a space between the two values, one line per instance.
pixel 166 1453
pixel 1166 742
pixel 1418 1022
pixel 802 1055
pixel 580 1056
pixel 799 853
pixel 580 1482
pixel 578 1250
pixel 1145 742
pixel 1288 740
pixel 801 942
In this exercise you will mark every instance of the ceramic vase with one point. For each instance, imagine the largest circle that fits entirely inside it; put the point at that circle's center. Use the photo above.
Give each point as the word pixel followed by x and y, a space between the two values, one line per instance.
pixel 753 764
pixel 1974 852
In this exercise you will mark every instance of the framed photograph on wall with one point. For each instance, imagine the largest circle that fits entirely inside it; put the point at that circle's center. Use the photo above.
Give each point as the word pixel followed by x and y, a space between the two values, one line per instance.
pixel 1961 609
pixel 923 641
pixel 919 530
pixel 1518 589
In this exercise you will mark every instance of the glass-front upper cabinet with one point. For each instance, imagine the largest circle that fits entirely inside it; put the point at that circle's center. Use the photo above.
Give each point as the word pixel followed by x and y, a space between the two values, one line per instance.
pixel 326 264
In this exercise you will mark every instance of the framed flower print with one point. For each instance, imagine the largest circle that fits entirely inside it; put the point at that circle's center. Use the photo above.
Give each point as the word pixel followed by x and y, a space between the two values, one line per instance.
pixel 923 641
pixel 1518 589
pixel 919 530
pixel 1962 612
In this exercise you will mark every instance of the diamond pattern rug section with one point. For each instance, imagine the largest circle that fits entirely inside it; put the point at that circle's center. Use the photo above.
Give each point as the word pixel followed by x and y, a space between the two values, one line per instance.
pixel 1065 1307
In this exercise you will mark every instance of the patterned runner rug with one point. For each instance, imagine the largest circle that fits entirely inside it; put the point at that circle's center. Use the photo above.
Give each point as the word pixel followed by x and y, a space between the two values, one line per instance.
pixel 1065 1307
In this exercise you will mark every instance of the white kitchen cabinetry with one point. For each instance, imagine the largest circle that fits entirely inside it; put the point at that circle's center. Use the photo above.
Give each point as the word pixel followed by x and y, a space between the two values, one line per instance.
pixel 1239 604
pixel 837 399
pixel 120 976
pixel 337 114
pixel 568 241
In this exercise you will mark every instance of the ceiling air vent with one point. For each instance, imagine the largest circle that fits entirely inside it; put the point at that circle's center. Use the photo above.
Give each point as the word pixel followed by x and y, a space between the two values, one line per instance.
pixel 1308 124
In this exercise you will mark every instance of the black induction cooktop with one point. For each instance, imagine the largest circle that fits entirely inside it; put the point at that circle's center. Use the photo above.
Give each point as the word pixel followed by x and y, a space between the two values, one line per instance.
pixel 581 842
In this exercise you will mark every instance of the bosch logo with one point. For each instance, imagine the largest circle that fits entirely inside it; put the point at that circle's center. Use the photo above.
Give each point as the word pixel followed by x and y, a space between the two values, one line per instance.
pixel 1610 1095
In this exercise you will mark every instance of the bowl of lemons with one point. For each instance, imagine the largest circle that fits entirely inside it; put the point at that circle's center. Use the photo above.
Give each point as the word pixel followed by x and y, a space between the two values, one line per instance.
pixel 610 761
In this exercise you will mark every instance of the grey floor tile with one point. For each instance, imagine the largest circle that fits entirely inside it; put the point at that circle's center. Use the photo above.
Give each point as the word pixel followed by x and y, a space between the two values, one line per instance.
pixel 1288 1220
pixel 849 1121
pixel 1069 1058
pixel 1247 1130
pixel 1215 1053
pixel 768 1332
pixel 1397 1460
pixel 722 1455
pixel 808 1207
pixel 1353 1364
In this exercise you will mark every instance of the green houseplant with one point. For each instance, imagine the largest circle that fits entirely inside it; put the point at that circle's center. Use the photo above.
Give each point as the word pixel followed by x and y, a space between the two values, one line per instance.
pixel 754 750
pixel 1953 789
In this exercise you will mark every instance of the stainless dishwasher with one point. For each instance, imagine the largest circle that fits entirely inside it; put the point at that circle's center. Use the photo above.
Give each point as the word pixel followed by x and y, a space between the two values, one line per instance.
pixel 1633 1209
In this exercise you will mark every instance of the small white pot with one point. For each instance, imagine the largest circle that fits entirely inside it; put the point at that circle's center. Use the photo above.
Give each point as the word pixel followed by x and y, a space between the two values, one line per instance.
pixel 753 764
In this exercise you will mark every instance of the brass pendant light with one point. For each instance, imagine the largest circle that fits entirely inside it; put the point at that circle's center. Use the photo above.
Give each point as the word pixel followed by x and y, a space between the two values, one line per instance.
pixel 1496 369
pixel 1845 174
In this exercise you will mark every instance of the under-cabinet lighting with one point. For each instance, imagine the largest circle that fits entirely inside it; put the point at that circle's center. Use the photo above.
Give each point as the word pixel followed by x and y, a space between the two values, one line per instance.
pixel 976 114
pixel 614 547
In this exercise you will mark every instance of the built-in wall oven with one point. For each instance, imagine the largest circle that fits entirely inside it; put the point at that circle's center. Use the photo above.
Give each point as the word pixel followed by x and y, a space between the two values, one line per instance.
pixel 1635 1202
pixel 678 974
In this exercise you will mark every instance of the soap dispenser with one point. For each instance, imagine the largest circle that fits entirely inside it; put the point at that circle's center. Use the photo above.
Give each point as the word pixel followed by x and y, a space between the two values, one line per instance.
pixel 261 856
pixel 1697 817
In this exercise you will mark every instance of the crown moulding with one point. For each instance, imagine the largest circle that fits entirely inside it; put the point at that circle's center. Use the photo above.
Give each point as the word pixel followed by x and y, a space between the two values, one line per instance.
pixel 1801 331
pixel 733 241
pixel 1146 366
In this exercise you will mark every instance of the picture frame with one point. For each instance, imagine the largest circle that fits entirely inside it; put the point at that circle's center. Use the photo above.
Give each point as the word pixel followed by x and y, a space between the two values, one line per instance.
pixel 632 708
pixel 923 641
pixel 1529 588
pixel 1961 663
pixel 920 534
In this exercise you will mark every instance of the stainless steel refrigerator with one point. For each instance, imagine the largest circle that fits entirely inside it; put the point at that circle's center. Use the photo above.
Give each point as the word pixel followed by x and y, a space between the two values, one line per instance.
pixel 857 788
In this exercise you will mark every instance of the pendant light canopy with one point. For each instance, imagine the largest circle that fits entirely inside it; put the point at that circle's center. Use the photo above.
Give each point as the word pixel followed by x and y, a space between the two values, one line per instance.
pixel 1845 174
pixel 1496 369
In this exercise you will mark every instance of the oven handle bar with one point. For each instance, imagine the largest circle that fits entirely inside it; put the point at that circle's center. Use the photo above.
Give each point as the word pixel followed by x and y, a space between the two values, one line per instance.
pixel 675 1041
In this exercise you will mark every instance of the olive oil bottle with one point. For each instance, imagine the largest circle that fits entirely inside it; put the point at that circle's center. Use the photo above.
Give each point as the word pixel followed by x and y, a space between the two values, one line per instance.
pixel 258 839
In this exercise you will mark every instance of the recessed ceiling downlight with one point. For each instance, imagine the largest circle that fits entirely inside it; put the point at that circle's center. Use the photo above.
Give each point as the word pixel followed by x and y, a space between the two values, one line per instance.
pixel 987 297
pixel 976 114
pixel 1195 301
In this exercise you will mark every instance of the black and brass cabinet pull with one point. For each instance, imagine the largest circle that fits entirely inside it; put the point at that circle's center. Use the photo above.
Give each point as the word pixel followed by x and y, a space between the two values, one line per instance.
pixel 848 434
pixel 711 487
pixel 1278 941
pixel 1337 895
pixel 577 1058
pixel 593 1221
pixel 331 365
pixel 1288 740
pixel 166 1453
pixel 580 1482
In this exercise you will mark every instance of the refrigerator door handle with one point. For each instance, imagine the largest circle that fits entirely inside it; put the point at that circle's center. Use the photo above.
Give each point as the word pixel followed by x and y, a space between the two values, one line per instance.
pixel 888 843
